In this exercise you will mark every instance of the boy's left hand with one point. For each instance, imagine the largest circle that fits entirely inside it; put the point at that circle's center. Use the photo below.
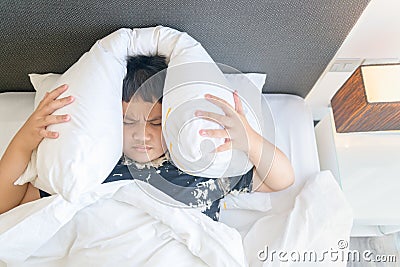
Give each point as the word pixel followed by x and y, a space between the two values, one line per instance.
pixel 237 131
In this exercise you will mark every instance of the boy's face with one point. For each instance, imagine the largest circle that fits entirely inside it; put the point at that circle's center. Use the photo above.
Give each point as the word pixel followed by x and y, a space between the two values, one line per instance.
pixel 143 140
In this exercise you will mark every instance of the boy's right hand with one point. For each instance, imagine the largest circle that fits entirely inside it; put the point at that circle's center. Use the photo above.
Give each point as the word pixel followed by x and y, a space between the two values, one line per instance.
pixel 34 129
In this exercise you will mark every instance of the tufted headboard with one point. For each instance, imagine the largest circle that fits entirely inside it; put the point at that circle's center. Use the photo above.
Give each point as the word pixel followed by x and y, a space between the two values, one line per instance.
pixel 291 41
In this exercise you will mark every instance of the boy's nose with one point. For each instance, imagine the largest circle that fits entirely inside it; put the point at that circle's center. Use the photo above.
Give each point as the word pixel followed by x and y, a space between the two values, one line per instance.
pixel 140 133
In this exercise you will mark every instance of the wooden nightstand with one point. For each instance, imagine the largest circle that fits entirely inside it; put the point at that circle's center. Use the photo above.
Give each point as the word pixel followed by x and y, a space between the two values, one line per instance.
pixel 367 167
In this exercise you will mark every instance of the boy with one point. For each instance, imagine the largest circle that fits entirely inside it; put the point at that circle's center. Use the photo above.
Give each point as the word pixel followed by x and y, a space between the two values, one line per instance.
pixel 145 155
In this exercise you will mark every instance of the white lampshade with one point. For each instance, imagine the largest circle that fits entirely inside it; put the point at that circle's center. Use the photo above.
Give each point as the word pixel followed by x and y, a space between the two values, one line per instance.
pixel 382 83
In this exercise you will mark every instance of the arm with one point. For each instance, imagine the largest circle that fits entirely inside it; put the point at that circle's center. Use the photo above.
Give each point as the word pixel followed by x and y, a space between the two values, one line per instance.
pixel 18 153
pixel 272 169
pixel 12 165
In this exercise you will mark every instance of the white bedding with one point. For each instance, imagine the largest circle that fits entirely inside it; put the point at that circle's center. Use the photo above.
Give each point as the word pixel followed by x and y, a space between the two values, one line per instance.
pixel 127 229
pixel 120 225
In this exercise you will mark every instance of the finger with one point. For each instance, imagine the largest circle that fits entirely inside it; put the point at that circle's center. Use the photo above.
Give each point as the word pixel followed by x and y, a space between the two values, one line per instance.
pixel 57 104
pixel 224 147
pixel 215 117
pixel 53 119
pixel 48 134
pixel 49 96
pixel 238 102
pixel 58 91
pixel 214 133
pixel 43 101
pixel 224 105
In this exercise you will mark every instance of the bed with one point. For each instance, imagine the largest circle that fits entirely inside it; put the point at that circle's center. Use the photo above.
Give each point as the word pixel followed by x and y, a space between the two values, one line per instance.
pixel 312 215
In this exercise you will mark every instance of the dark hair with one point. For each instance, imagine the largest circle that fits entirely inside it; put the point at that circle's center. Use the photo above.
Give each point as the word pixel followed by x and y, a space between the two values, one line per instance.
pixel 139 70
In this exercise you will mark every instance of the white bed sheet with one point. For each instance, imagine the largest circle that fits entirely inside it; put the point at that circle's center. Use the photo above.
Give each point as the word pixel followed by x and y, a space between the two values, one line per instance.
pixel 312 214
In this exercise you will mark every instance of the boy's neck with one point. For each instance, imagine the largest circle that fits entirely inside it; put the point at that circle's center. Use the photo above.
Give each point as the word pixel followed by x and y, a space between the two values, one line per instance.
pixel 153 163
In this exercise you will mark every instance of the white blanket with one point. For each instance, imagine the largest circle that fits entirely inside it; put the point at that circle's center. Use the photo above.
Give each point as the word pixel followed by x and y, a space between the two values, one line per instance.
pixel 121 224
pixel 319 224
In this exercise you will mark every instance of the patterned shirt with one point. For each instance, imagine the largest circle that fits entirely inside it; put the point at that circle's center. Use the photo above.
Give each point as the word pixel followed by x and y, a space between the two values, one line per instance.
pixel 194 191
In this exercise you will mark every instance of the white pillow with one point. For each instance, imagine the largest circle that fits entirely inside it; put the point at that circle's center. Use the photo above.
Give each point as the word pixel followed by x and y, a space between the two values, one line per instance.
pixel 191 73
pixel 185 87
pixel 251 201
pixel 90 144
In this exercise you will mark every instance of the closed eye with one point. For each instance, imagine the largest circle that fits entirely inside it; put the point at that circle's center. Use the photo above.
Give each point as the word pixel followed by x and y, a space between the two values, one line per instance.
pixel 155 123
pixel 126 122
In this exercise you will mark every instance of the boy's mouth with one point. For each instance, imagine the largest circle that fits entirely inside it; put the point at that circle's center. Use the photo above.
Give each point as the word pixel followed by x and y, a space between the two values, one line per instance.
pixel 142 148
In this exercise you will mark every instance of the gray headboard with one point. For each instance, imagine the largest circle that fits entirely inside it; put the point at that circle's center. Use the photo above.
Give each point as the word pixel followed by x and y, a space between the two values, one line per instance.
pixel 290 40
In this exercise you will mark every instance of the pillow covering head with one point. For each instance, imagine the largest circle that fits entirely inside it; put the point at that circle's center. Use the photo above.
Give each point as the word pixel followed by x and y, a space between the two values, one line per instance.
pixel 184 91
pixel 43 82
pixel 89 145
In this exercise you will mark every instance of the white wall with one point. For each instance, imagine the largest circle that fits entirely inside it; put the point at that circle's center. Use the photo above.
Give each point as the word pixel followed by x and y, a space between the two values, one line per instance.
pixel 375 38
